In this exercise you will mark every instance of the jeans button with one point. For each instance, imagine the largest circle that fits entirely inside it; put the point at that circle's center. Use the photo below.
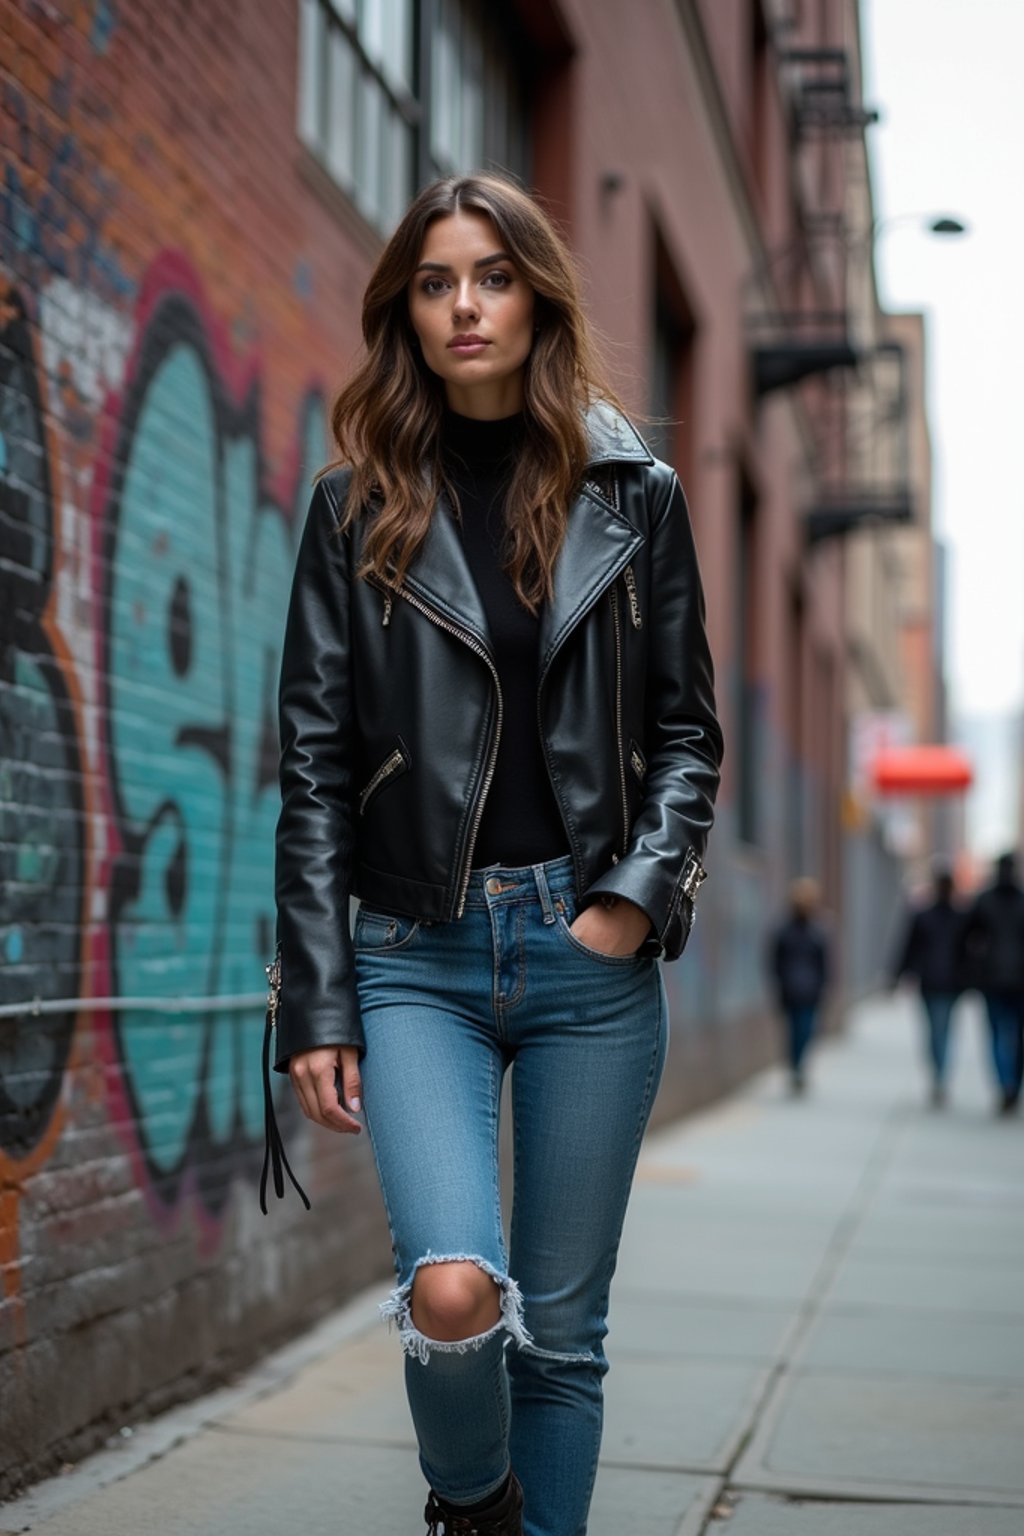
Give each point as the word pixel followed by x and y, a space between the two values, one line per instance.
pixel 493 885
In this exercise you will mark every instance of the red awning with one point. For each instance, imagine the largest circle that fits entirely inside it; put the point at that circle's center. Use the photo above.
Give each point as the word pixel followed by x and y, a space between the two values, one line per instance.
pixel 922 770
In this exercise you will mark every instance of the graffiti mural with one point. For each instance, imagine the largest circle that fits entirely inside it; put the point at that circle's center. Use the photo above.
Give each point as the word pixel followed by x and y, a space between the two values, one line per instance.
pixel 42 851
pixel 196 556
pixel 192 555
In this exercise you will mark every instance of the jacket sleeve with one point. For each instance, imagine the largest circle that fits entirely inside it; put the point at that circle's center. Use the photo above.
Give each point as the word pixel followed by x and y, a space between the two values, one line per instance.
pixel 661 868
pixel 318 1004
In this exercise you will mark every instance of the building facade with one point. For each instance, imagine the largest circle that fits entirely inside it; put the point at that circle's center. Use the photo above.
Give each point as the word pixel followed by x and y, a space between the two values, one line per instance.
pixel 193 198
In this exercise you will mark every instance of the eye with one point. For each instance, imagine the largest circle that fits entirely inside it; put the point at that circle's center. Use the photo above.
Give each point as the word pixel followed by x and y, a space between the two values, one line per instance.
pixel 428 285
pixel 502 279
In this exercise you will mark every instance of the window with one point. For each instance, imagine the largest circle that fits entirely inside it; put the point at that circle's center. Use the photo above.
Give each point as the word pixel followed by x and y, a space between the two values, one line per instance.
pixel 357 109
pixel 672 394
pixel 478 114
pixel 386 102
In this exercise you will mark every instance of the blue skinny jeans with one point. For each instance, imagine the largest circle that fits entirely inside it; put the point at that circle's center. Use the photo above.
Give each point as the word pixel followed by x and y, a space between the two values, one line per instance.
pixel 801 1022
pixel 938 1008
pixel 447 1007
pixel 1006 1023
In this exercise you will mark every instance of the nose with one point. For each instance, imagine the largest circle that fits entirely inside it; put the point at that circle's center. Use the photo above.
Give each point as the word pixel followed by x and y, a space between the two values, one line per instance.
pixel 464 305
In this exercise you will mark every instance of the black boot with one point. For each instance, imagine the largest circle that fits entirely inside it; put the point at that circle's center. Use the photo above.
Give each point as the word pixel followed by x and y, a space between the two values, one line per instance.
pixel 502 1518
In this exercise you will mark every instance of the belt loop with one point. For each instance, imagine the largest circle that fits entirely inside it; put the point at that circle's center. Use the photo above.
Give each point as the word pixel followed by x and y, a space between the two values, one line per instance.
pixel 543 891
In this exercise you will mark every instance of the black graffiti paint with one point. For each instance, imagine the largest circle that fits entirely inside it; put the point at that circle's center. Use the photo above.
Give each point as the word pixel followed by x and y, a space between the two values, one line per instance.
pixel 42 855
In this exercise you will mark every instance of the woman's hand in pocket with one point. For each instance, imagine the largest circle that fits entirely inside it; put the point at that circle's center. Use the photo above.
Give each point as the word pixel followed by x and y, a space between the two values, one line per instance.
pixel 615 930
pixel 326 1081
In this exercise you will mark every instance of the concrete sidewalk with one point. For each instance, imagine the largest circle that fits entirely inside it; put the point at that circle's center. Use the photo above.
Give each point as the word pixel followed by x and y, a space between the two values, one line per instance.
pixel 817 1330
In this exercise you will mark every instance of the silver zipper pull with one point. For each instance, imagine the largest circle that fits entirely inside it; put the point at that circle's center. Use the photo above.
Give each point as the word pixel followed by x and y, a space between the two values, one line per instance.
pixel 274 994
pixel 634 600
pixel 387 609
pixel 694 875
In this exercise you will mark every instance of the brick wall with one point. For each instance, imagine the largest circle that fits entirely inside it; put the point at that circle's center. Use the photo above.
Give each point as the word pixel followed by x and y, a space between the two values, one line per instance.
pixel 176 305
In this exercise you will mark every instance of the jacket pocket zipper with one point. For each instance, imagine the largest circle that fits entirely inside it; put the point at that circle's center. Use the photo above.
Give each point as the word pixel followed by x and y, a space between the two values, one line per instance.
pixel 638 761
pixel 616 625
pixel 634 600
pixel 389 766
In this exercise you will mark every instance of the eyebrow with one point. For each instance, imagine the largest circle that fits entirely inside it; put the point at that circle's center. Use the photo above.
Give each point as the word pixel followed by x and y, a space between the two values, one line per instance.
pixel 485 261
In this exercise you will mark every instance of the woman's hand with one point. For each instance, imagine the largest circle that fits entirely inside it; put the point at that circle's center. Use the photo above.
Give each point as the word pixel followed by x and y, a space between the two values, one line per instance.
pixel 313 1078
pixel 615 930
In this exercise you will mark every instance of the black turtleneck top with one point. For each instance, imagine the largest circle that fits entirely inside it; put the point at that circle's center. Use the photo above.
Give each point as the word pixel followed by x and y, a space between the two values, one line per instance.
pixel 521 823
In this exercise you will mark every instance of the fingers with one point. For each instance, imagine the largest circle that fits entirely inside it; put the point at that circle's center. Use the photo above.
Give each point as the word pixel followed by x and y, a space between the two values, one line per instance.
pixel 600 932
pixel 617 931
pixel 351 1085
pixel 314 1078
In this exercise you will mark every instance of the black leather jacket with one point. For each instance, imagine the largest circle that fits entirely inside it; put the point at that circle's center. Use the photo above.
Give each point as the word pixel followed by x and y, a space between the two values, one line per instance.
pixel 391 714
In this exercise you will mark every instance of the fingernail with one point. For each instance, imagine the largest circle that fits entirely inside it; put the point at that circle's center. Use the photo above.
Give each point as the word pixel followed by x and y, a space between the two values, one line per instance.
pixel 354 1105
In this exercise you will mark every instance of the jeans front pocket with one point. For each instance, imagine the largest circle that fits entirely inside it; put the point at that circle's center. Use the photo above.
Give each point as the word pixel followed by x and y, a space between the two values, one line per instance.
pixel 565 910
pixel 384 931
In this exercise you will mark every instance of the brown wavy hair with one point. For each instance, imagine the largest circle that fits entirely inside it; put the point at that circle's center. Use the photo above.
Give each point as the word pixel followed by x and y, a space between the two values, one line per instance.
pixel 387 418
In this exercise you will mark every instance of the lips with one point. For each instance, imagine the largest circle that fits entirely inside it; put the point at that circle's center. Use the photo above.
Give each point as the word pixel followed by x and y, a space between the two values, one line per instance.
pixel 458 342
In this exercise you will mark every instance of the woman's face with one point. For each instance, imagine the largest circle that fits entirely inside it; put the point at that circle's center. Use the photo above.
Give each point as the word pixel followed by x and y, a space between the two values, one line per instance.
pixel 473 314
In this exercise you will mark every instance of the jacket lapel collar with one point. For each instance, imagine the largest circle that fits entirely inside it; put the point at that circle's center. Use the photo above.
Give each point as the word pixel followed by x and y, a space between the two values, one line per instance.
pixel 440 575
pixel 599 543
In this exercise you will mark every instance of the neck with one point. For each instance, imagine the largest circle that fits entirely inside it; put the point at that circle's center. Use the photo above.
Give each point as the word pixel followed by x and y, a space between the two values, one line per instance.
pixel 486 402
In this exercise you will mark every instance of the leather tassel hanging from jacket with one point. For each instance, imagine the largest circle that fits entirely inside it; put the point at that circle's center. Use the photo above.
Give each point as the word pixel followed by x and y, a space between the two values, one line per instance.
pixel 274 1158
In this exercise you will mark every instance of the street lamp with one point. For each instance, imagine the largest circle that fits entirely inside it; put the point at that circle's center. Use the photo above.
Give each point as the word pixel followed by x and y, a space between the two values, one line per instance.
pixel 943 224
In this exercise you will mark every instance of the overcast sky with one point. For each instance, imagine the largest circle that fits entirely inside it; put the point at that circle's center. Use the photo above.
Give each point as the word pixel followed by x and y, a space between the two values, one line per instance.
pixel 946 77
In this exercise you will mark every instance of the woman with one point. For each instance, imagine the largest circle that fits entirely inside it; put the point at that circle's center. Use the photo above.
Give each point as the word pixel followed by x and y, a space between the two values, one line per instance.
pixel 498 731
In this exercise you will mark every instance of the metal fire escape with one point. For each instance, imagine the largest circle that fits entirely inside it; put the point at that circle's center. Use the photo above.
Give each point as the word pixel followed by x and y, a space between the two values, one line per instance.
pixel 860 407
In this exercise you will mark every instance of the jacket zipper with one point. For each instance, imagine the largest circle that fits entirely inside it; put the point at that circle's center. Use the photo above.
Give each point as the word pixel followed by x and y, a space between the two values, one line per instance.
pixel 618 718
pixel 634 600
pixel 576 858
pixel 475 645
pixel 387 767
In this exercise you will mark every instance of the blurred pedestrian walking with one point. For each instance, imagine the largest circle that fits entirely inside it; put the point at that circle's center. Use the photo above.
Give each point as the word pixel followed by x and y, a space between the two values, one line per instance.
pixel 994 953
pixel 799 964
pixel 931 950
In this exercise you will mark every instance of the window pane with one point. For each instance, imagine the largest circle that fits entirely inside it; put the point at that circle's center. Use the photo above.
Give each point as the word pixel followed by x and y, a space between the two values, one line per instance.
pixel 396 43
pixel 372 28
pixel 368 190
pixel 341 105
pixel 471 137
pixel 496 108
pixel 448 86
pixel 398 181
pixel 311 46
